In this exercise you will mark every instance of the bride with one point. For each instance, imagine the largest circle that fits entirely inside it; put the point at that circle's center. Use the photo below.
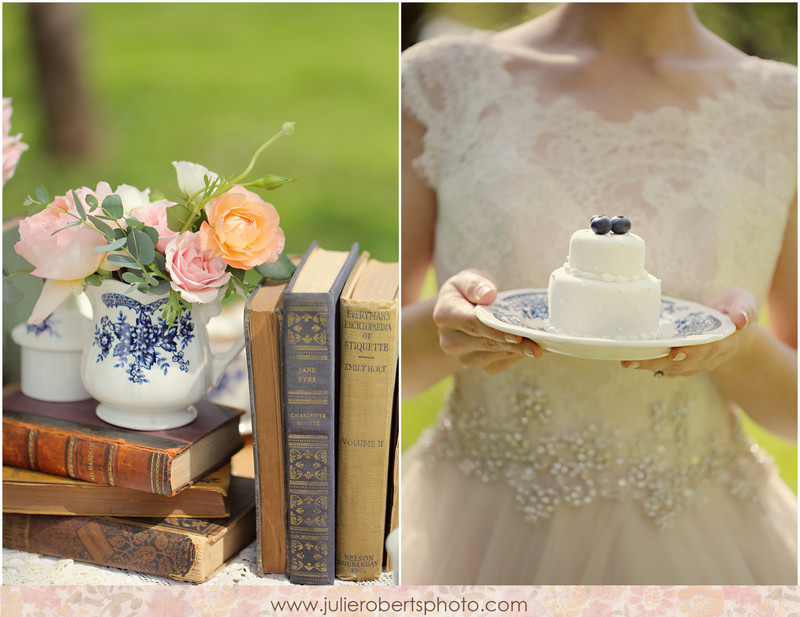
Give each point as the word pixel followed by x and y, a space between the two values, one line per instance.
pixel 547 469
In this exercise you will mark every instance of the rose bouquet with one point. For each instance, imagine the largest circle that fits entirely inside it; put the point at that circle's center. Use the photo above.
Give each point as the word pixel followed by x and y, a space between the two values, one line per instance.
pixel 197 249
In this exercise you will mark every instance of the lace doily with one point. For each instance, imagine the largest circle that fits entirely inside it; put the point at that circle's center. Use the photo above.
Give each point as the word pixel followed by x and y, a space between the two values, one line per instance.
pixel 21 568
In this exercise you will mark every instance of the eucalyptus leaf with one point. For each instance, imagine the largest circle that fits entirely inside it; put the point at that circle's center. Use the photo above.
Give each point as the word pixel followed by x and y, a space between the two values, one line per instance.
pixel 37 207
pixel 123 260
pixel 134 223
pixel 11 293
pixel 152 232
pixel 94 279
pixel 91 201
pixel 141 247
pixel 280 270
pixel 158 290
pixel 160 262
pixel 112 207
pixel 78 206
pixel 41 195
pixel 151 280
pixel 132 278
pixel 102 227
pixel 115 245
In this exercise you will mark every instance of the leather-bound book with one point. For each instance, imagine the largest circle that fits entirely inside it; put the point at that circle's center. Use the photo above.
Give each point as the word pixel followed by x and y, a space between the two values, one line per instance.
pixel 368 345
pixel 310 399
pixel 68 439
pixel 34 492
pixel 262 331
pixel 184 549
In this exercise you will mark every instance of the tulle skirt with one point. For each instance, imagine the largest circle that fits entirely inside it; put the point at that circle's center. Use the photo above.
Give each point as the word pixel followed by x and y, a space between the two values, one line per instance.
pixel 457 530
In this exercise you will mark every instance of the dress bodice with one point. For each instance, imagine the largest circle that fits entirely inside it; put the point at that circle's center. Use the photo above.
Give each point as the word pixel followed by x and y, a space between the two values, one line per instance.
pixel 708 188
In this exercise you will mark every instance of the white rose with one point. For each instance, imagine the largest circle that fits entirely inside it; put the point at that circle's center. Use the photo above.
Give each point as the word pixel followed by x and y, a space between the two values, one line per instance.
pixel 191 177
pixel 132 197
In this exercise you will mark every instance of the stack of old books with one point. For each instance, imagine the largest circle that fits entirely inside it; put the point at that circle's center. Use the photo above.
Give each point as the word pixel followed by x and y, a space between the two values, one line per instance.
pixel 322 355
pixel 157 502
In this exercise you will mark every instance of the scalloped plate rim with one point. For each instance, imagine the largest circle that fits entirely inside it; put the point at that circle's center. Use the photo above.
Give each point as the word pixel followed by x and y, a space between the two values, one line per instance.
pixel 595 348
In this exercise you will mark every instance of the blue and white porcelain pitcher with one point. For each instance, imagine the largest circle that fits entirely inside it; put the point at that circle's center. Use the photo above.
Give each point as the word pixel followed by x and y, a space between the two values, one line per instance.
pixel 144 374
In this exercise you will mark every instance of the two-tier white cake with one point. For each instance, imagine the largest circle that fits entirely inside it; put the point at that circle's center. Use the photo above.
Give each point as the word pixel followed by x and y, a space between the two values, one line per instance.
pixel 603 290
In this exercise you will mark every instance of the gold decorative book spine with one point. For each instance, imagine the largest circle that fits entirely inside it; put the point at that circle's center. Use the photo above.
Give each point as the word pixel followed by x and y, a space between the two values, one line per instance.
pixel 368 356
pixel 310 392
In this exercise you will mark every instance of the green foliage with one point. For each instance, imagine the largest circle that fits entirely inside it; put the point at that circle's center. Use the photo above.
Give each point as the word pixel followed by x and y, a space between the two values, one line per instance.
pixel 178 216
pixel 279 270
pixel 11 293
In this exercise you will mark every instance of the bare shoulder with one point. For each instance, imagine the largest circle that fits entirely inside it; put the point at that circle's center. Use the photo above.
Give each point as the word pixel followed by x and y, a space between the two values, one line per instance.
pixel 774 81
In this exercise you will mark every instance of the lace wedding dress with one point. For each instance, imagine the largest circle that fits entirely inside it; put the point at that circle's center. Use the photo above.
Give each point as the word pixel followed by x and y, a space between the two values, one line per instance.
pixel 570 471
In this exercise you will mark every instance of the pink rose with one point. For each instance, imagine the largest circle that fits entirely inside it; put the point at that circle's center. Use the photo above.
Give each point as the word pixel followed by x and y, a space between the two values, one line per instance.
pixel 13 147
pixel 243 229
pixel 197 274
pixel 66 257
pixel 155 215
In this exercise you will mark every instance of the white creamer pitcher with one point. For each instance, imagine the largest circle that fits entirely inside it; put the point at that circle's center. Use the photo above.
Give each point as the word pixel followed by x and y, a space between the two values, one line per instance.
pixel 144 374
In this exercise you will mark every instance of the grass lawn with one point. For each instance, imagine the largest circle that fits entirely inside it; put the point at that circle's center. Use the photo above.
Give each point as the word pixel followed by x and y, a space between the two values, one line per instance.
pixel 209 83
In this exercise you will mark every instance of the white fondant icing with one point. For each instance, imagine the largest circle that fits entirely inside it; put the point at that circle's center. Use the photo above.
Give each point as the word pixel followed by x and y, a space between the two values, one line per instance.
pixel 618 255
pixel 604 290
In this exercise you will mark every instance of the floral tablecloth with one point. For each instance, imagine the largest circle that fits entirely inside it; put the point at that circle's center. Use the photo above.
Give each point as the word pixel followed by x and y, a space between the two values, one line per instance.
pixel 253 600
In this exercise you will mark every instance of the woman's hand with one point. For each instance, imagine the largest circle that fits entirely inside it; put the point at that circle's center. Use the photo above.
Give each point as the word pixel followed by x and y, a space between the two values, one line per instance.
pixel 463 336
pixel 741 306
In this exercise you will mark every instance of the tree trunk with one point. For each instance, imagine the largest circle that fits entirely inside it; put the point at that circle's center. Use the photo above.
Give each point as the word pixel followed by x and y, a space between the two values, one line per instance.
pixel 55 38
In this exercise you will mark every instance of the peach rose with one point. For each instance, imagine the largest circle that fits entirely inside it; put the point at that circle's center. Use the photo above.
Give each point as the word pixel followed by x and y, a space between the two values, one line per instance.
pixel 66 256
pixel 197 274
pixel 243 229
pixel 154 214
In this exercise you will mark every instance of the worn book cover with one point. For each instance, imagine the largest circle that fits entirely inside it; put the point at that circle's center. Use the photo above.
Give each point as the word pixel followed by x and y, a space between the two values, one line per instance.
pixel 34 492
pixel 368 346
pixel 68 439
pixel 310 398
pixel 184 549
pixel 262 330
pixel 393 489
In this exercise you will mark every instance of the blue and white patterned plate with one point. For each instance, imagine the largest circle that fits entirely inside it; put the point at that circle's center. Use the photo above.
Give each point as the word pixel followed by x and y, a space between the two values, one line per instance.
pixel 683 323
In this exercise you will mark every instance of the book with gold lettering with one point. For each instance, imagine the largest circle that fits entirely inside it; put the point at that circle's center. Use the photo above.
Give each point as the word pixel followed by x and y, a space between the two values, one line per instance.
pixel 68 439
pixel 310 399
pixel 368 345
pixel 184 549
pixel 34 492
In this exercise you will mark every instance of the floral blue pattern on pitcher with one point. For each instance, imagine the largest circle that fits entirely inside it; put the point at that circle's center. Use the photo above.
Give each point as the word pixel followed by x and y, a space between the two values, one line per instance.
pixel 146 344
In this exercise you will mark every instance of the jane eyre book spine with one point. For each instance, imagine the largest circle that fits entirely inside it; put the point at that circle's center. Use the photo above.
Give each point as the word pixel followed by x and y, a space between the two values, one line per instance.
pixel 309 334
